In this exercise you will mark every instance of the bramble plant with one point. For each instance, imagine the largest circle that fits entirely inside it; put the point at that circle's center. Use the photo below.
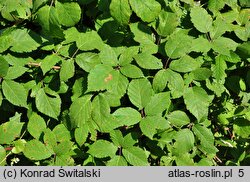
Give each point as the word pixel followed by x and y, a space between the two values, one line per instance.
pixel 124 82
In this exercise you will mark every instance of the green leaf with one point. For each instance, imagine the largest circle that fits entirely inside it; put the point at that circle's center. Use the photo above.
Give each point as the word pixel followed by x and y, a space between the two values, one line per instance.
pixel 158 103
pixel 241 127
pixel 67 70
pixel 15 93
pixel 120 11
pixel 201 74
pixel 49 139
pixel 220 26
pixel 178 118
pixel 223 45
pixel 89 41
pixel 184 142
pixel 81 135
pixel 201 44
pixel 80 111
pixel 36 125
pixel 48 62
pixel 127 55
pixel 1 98
pixel 5 40
pixel 10 130
pixel 166 23
pixel 131 71
pixel 207 139
pixel 64 160
pixel 201 19
pixel 143 35
pixel 63 148
pixel 215 5
pixel 4 66
pixel 87 61
pixel 175 83
pixel 140 92
pixel 147 10
pixel 101 77
pixel 184 64
pixel 101 116
pixel 178 45
pixel 127 116
pixel 219 69
pixel 135 156
pixel 116 137
pixel 102 148
pixel 19 146
pixel 108 56
pixel 15 72
pixel 24 40
pixel 148 61
pixel 117 161
pixel 184 160
pixel 150 124
pixel 2 156
pixel 48 105
pixel 197 101
pixel 119 85
pixel 160 81
pixel 68 13
pixel 47 17
pixel 130 139
pixel 62 133
pixel 36 150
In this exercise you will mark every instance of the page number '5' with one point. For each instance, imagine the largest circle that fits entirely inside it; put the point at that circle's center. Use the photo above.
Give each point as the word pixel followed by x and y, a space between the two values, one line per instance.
pixel 241 173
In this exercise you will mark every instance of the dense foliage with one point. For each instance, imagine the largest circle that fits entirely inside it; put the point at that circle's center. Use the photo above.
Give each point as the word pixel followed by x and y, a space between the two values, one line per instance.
pixel 124 82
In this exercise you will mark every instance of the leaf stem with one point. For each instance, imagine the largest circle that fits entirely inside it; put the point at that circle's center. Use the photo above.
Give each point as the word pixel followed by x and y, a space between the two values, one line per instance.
pixel 5 157
pixel 39 64
pixel 166 64
pixel 75 53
